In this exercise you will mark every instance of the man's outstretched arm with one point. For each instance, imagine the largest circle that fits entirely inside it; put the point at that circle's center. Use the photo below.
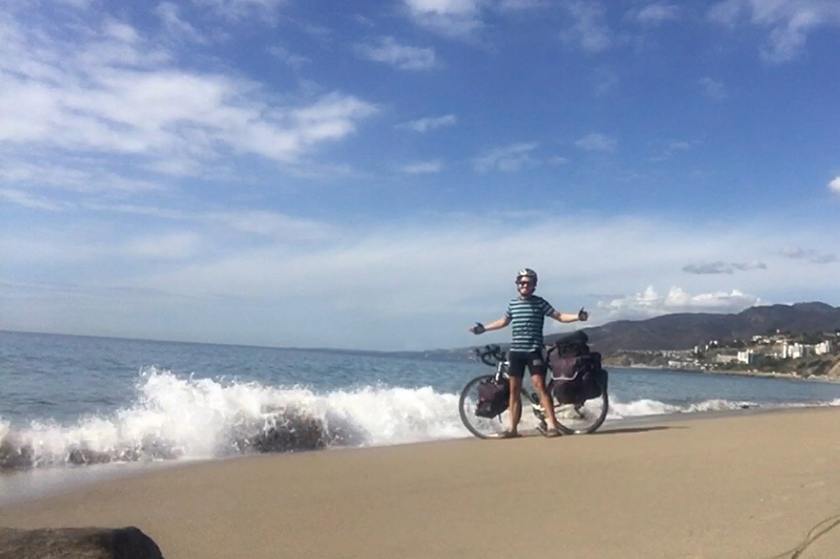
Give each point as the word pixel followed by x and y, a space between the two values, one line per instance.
pixel 479 328
pixel 581 315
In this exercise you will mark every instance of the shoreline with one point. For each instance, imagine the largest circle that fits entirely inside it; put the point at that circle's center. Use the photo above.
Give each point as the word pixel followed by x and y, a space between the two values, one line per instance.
pixel 54 481
pixel 732 485
pixel 759 374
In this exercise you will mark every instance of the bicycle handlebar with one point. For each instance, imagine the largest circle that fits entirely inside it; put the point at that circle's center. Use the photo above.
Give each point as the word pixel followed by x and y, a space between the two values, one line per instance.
pixel 491 355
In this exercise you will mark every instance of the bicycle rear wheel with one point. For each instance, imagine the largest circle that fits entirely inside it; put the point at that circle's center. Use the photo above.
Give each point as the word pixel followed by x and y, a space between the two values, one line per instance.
pixel 583 417
pixel 482 427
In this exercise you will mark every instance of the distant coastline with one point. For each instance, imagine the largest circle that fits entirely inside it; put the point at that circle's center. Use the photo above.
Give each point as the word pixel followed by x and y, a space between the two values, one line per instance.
pixel 736 372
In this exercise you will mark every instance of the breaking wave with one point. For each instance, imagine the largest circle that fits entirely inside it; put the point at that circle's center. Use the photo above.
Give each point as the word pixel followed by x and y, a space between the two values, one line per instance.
pixel 175 418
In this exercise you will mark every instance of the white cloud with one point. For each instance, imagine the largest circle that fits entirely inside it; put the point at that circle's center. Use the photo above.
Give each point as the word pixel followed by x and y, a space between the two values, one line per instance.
pixel 589 30
pixel 672 148
pixel 719 267
pixel 597 142
pixel 463 19
pixel 270 224
pixel 712 88
pixel 455 18
pixel 30 201
pixel 809 255
pixel 286 56
pixel 55 250
pixel 78 4
pixel 171 246
pixel 834 185
pixel 76 174
pixel 115 93
pixel 240 9
pixel 175 25
pixel 429 123
pixel 404 57
pixel 423 167
pixel 650 303
pixel 275 225
pixel 517 5
pixel 789 22
pixel 508 159
pixel 657 13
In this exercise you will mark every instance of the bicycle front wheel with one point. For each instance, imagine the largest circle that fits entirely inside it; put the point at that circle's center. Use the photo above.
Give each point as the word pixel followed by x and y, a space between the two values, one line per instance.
pixel 583 417
pixel 482 427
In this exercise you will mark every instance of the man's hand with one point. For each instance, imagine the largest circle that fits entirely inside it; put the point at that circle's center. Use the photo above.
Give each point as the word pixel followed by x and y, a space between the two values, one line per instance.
pixel 583 316
pixel 477 329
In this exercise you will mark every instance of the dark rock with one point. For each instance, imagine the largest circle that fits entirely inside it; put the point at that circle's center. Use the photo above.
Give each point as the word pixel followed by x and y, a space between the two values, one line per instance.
pixel 77 543
pixel 15 456
pixel 84 456
pixel 293 431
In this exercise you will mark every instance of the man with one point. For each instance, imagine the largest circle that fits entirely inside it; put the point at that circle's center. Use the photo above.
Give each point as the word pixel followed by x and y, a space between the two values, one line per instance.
pixel 527 313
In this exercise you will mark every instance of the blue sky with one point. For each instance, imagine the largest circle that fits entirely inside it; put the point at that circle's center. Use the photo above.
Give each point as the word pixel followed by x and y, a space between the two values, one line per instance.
pixel 373 174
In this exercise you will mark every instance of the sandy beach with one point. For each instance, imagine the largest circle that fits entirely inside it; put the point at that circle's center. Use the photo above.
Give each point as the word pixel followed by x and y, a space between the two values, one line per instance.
pixel 748 486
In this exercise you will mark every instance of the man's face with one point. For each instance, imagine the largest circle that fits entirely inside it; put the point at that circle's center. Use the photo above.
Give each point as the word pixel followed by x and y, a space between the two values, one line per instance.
pixel 525 286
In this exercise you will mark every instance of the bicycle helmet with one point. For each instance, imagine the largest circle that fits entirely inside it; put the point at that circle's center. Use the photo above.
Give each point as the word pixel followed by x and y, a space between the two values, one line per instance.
pixel 527 273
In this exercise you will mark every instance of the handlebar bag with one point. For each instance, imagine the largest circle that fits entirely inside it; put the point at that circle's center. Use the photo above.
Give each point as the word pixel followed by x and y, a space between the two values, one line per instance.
pixel 493 397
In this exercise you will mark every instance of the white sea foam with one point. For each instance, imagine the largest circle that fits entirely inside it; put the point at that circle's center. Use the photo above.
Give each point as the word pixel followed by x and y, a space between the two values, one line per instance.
pixel 643 407
pixel 183 417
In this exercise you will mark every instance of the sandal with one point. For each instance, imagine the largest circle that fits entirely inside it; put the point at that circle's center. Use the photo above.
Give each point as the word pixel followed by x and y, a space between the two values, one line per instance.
pixel 508 435
pixel 546 432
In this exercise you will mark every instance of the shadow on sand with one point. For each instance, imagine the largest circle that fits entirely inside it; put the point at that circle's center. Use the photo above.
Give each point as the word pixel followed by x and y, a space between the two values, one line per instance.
pixel 626 430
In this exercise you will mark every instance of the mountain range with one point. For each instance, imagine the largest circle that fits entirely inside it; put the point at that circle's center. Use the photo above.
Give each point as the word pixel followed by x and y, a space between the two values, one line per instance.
pixel 685 330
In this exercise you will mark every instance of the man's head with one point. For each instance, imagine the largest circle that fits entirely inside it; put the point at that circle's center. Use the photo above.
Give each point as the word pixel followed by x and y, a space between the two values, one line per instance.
pixel 526 281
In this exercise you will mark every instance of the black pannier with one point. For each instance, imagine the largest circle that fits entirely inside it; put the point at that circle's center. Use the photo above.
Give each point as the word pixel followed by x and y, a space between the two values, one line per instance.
pixel 576 374
pixel 493 397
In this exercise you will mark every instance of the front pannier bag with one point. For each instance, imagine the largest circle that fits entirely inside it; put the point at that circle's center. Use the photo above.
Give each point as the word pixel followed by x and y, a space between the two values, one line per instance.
pixel 493 398
pixel 576 372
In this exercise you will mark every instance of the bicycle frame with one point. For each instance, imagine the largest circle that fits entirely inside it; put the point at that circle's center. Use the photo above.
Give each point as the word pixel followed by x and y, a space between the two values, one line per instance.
pixel 502 373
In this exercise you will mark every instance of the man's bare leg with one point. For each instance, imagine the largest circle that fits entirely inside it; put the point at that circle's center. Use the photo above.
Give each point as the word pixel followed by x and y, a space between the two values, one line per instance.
pixel 515 403
pixel 538 381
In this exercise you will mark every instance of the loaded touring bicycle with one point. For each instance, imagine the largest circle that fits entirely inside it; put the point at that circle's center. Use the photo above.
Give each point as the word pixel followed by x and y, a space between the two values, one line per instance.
pixel 575 380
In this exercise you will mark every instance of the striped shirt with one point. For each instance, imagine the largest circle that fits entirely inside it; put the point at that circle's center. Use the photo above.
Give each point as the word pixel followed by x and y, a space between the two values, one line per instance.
pixel 527 317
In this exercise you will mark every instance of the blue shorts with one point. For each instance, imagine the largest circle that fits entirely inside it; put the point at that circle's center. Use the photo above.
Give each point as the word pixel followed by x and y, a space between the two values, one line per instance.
pixel 518 360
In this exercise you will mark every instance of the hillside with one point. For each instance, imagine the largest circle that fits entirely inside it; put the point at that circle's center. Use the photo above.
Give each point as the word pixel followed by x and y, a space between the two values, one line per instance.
pixel 685 330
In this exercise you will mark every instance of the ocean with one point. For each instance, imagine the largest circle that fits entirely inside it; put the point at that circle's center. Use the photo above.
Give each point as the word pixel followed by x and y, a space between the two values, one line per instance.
pixel 74 408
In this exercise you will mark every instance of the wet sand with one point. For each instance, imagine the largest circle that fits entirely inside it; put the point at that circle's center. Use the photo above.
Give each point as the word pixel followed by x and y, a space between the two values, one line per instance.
pixel 746 485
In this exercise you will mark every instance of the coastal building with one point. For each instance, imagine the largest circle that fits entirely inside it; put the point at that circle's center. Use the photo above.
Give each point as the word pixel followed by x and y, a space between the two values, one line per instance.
pixel 792 351
pixel 726 358
pixel 746 357
pixel 823 347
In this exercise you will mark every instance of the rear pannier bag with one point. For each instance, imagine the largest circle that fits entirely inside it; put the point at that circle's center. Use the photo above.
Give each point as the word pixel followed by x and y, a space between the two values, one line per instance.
pixel 576 372
pixel 493 398
pixel 571 344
